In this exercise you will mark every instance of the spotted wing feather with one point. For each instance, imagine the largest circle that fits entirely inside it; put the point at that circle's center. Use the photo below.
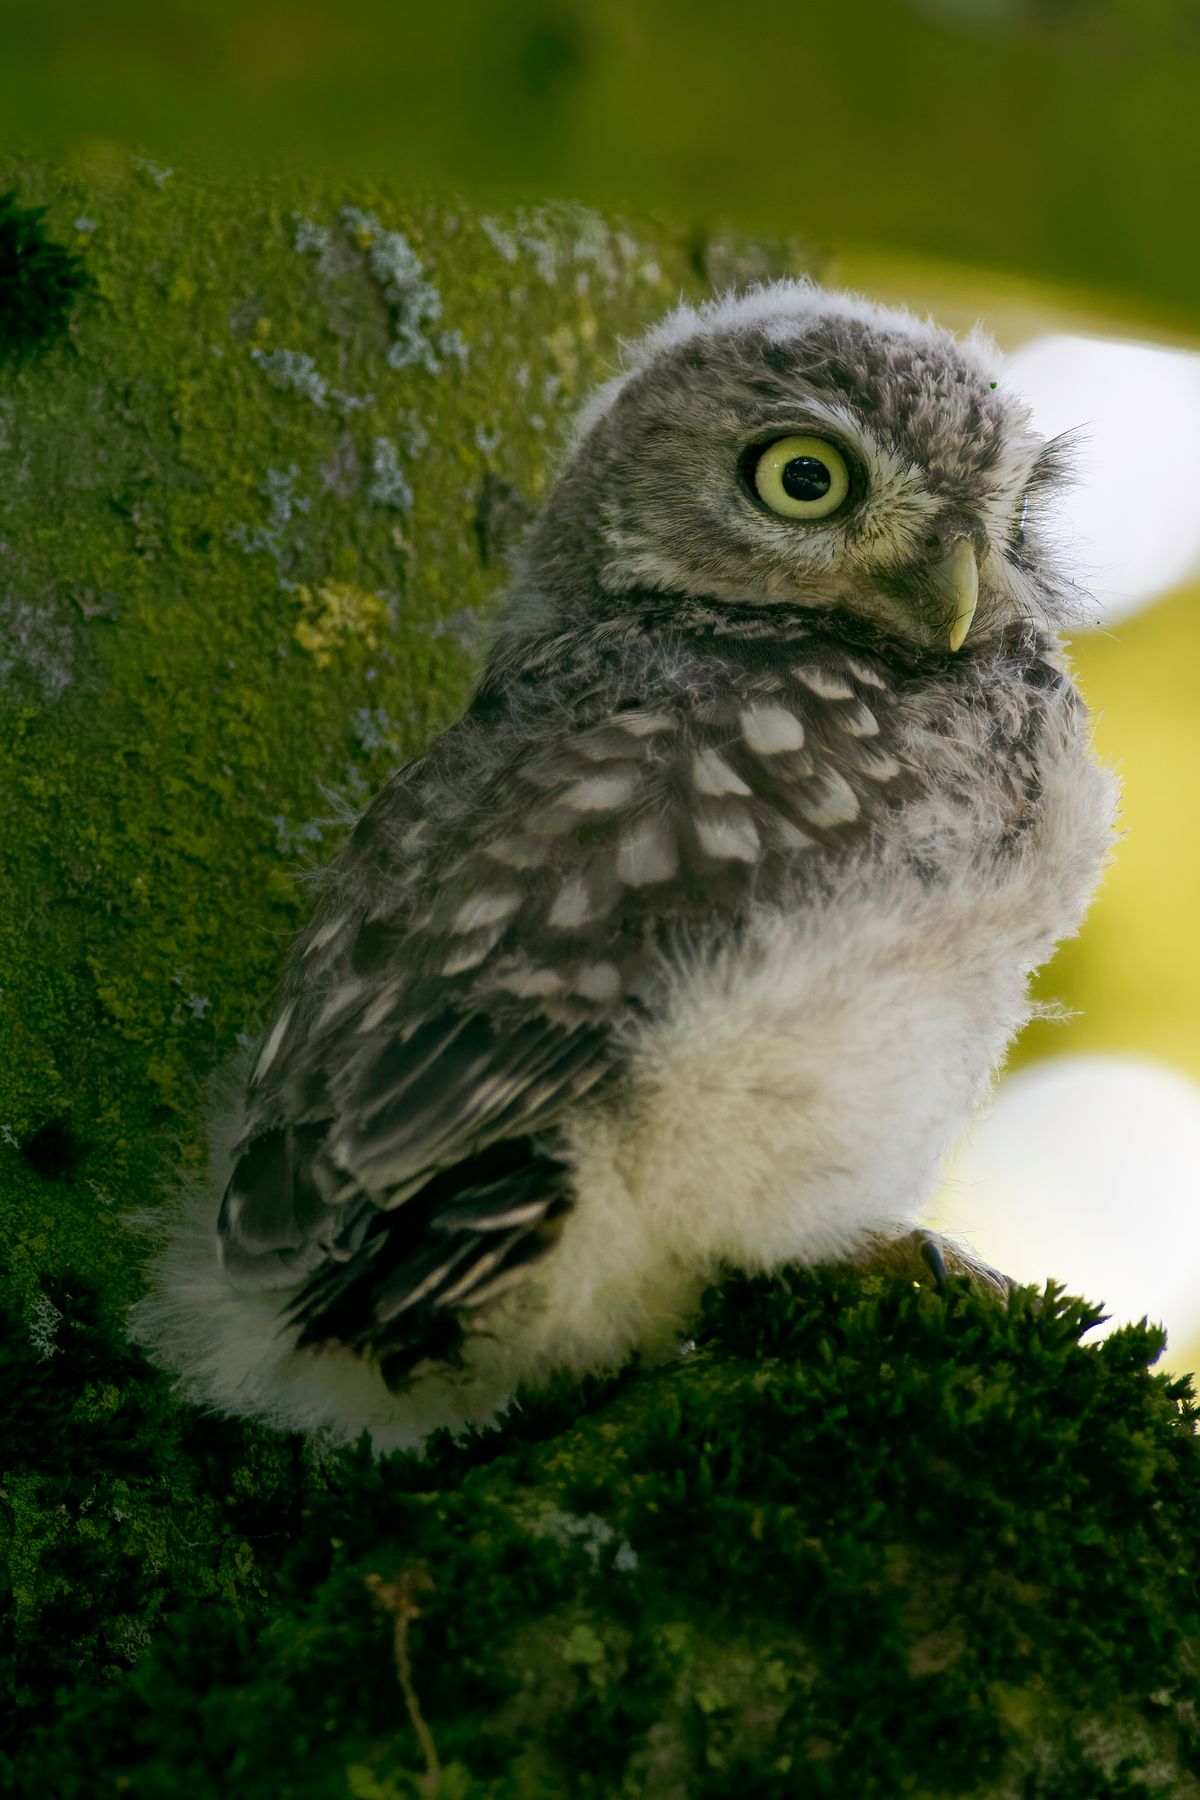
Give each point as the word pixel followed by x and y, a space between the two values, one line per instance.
pixel 470 998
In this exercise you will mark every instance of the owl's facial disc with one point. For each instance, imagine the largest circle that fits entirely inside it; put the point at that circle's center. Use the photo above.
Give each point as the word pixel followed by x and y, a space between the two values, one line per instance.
pixel 793 449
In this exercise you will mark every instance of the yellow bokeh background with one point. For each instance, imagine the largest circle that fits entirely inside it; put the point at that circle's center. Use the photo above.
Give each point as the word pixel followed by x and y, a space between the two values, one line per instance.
pixel 1134 973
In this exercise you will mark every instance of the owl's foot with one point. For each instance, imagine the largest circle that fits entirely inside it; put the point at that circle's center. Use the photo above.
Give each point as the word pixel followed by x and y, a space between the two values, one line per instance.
pixel 944 1259
pixel 928 1258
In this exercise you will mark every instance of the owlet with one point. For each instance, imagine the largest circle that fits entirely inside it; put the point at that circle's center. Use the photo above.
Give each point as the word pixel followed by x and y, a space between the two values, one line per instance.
pixel 695 943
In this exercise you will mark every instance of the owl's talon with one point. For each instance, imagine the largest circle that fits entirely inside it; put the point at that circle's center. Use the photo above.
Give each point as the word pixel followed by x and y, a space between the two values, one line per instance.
pixel 931 1253
pixel 944 1259
pixel 926 1258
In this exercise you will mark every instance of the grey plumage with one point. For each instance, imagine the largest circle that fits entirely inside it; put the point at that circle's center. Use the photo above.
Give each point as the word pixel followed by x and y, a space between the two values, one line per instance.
pixel 715 746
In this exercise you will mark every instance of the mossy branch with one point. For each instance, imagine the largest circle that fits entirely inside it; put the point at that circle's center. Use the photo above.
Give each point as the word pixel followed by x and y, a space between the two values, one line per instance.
pixel 862 1537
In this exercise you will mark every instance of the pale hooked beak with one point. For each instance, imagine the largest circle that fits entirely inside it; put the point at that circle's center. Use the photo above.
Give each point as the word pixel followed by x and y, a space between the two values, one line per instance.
pixel 957 574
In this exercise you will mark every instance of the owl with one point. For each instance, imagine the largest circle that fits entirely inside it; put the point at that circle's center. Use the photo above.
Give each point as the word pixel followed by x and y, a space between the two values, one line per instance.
pixel 695 943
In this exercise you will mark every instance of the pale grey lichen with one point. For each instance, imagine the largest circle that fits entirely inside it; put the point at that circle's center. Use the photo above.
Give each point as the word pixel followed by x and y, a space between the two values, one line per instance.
pixel 413 301
pixel 155 171
pixel 310 238
pixel 37 647
pixel 342 470
pixel 292 369
pixel 454 347
pixel 411 349
pixel 555 238
pixel 290 838
pixel 389 484
pixel 414 438
pixel 283 505
pixel 501 240
pixel 590 1533
pixel 350 402
pixel 44 1321
pixel 374 729
pixel 295 371
pixel 278 489
pixel 467 627
pixel 128 1635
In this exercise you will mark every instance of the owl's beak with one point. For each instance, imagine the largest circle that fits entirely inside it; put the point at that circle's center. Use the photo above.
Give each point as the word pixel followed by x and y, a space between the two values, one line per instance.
pixel 957 575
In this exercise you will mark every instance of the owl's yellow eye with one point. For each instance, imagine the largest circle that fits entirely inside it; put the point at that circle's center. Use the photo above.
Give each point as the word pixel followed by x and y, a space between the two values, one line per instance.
pixel 802 478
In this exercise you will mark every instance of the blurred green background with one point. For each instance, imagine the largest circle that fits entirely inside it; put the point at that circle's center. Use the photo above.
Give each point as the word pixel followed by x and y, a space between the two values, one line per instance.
pixel 1056 137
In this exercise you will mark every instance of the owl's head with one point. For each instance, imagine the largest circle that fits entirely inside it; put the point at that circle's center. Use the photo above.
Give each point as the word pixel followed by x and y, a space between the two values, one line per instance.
pixel 802 447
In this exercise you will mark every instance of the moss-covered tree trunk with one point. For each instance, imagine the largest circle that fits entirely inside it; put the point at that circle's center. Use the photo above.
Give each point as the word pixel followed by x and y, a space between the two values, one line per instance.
pixel 255 493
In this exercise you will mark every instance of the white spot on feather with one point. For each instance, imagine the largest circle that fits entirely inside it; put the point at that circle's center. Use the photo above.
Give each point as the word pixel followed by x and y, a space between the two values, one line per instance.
pixel 528 1213
pixel 859 722
pixel 530 983
pixel 731 837
pixel 878 767
pixel 326 934
pixel 470 953
pixel 713 775
pixel 381 1006
pixel 499 1284
pixel 829 800
pixel 598 981
pixel 430 1282
pixel 825 685
pixel 865 674
pixel 770 730
pixel 517 853
pixel 572 905
pixel 645 854
pixel 340 1001
pixel 271 1048
pixel 600 793
pixel 643 724
pixel 486 909
pixel 787 836
pixel 474 1274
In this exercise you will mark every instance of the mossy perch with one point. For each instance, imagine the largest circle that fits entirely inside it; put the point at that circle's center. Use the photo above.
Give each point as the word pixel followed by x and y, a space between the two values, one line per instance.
pixel 864 1538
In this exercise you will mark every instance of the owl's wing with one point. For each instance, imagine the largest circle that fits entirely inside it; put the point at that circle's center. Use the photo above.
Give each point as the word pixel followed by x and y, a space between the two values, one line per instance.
pixel 471 998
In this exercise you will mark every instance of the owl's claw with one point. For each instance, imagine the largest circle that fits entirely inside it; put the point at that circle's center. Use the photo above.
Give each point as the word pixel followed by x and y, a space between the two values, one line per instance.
pixel 931 1252
pixel 929 1259
pixel 944 1259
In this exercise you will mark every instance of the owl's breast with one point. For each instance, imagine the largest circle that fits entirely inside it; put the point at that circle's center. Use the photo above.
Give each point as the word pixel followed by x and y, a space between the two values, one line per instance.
pixel 1000 764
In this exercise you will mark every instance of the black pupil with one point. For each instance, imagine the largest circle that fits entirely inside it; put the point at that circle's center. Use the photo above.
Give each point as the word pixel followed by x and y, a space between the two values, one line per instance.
pixel 806 478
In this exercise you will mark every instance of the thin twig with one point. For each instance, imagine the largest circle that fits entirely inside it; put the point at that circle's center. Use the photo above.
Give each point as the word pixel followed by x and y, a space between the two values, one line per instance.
pixel 399 1599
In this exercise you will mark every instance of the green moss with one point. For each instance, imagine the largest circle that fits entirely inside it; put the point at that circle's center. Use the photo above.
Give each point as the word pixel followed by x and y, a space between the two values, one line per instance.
pixel 864 1539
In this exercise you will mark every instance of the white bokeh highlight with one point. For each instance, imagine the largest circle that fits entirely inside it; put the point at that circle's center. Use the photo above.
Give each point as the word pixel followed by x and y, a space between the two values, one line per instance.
pixel 1087 1169
pixel 1131 524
